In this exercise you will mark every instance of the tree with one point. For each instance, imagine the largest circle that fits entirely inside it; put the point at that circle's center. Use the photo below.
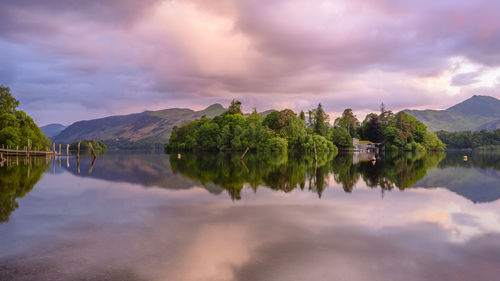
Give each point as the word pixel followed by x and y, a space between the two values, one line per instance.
pixel 348 121
pixel 340 137
pixel 318 120
pixel 271 121
pixel 302 116
pixel 206 136
pixel 373 131
pixel 235 107
pixel 279 120
pixel 8 103
pixel 16 128
pixel 385 115
pixel 432 142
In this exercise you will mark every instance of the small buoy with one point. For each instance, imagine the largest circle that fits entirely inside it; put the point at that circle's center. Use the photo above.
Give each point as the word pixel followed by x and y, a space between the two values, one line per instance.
pixel 465 157
pixel 178 156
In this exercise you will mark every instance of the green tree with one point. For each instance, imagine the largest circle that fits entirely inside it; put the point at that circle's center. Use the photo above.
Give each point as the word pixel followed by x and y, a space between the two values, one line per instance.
pixel 348 121
pixel 17 128
pixel 235 107
pixel 319 120
pixel 432 142
pixel 340 137
pixel 302 115
pixel 385 115
pixel 373 131
pixel 8 103
pixel 206 136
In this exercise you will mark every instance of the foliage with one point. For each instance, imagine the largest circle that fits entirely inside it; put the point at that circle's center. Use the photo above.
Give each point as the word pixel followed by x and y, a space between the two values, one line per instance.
pixel 318 120
pixel 284 131
pixel 99 146
pixel 340 137
pixel 405 132
pixel 235 107
pixel 278 131
pixel 348 121
pixel 470 140
pixel 16 128
pixel 372 130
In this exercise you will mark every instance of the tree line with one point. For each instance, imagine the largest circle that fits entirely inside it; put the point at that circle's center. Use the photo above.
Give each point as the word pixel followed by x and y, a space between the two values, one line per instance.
pixel 471 140
pixel 285 130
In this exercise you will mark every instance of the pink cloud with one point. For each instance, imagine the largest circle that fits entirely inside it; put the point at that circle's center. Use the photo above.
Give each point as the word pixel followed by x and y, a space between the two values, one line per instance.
pixel 136 55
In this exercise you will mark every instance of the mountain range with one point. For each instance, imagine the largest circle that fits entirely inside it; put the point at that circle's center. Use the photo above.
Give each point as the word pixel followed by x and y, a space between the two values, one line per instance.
pixel 153 128
pixel 474 114
pixel 144 129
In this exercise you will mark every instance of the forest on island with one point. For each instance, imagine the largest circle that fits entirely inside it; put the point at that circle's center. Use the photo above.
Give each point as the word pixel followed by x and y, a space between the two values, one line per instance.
pixel 99 146
pixel 285 130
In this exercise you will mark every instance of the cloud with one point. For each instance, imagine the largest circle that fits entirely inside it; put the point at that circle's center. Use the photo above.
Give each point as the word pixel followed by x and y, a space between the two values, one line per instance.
pixel 121 56
pixel 465 79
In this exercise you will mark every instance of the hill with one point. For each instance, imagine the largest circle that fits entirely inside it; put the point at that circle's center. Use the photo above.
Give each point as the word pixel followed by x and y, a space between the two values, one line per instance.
pixel 490 126
pixel 138 130
pixel 52 130
pixel 468 115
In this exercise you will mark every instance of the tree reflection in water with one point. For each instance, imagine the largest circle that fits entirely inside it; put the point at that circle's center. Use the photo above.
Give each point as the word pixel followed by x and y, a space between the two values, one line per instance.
pixel 18 176
pixel 287 172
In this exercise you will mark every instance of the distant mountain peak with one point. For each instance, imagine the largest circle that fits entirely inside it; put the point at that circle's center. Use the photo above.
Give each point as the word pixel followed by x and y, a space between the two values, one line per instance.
pixel 215 106
pixel 477 104
pixel 465 116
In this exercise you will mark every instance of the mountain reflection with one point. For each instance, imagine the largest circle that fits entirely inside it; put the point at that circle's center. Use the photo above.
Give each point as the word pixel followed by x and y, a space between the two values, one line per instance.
pixel 225 172
pixel 477 179
pixel 18 176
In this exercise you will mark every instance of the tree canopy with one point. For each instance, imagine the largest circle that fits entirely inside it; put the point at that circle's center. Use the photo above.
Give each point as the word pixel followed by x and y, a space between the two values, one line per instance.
pixel 278 131
pixel 16 128
pixel 284 130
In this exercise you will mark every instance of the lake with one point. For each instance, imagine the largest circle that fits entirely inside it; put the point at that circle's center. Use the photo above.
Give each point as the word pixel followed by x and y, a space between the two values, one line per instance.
pixel 141 216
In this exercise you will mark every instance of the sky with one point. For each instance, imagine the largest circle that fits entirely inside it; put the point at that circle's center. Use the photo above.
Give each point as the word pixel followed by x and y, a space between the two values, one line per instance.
pixel 69 60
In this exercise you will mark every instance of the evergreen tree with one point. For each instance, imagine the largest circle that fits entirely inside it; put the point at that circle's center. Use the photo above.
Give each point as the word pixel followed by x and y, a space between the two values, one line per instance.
pixel 319 120
pixel 373 131
pixel 302 115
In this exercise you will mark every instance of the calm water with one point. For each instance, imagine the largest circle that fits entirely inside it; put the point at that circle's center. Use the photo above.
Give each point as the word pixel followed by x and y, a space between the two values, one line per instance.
pixel 212 217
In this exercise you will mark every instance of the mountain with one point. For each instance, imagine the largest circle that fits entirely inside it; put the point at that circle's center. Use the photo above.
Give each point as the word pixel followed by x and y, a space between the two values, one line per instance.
pixel 135 130
pixel 490 126
pixel 468 115
pixel 52 130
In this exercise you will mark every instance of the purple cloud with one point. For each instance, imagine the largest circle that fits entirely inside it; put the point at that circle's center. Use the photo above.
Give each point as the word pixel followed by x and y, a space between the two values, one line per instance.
pixel 109 56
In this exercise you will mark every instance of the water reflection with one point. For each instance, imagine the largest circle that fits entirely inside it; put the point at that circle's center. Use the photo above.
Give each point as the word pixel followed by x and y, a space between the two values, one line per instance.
pixel 477 179
pixel 111 224
pixel 18 176
pixel 288 172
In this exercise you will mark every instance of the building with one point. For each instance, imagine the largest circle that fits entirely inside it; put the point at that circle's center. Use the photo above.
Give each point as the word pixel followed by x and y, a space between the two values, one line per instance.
pixel 365 146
